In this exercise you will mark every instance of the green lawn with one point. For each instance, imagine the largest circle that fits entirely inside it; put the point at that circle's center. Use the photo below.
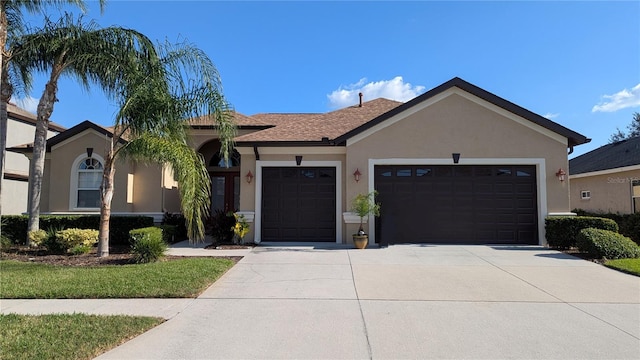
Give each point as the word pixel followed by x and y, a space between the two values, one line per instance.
pixel 631 266
pixel 180 278
pixel 82 336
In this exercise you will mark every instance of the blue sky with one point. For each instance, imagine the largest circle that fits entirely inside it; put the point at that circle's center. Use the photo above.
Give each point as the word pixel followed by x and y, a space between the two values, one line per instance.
pixel 577 63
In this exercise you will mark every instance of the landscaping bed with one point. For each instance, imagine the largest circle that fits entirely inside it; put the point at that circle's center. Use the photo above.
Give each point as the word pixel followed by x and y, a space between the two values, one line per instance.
pixel 117 256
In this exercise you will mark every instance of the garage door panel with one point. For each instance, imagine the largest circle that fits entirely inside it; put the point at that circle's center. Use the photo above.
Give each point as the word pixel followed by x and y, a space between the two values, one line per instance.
pixel 298 204
pixel 459 204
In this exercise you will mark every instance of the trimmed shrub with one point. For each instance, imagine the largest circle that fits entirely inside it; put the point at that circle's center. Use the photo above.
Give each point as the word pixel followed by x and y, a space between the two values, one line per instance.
pixel 606 244
pixel 147 244
pixel 629 224
pixel 169 233
pixel 179 222
pixel 52 244
pixel 36 238
pixel 562 231
pixel 5 242
pixel 120 226
pixel 77 241
pixel 15 226
pixel 222 226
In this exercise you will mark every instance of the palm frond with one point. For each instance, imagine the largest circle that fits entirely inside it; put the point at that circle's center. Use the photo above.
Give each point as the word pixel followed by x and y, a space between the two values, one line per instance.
pixel 189 170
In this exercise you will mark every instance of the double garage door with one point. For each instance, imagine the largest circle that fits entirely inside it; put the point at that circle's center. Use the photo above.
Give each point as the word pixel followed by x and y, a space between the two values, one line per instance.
pixel 420 204
pixel 457 204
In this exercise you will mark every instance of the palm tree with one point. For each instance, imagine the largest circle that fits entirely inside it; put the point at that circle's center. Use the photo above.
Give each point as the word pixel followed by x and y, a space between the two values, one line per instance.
pixel 72 48
pixel 11 25
pixel 155 102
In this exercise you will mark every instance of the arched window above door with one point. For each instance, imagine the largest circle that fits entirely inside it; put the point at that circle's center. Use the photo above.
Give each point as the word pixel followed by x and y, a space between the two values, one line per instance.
pixel 219 162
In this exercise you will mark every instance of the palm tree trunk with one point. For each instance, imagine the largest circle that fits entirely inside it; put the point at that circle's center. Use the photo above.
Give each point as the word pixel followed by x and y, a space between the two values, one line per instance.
pixel 106 195
pixel 5 95
pixel 36 170
pixel 4 117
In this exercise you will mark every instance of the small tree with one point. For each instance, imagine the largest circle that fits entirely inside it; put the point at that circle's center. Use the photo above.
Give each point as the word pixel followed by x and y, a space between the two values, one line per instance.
pixel 365 205
pixel 634 130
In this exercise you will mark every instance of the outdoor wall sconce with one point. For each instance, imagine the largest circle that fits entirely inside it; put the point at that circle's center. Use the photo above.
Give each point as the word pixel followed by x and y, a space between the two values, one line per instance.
pixel 356 175
pixel 89 152
pixel 456 157
pixel 298 160
pixel 249 177
pixel 561 174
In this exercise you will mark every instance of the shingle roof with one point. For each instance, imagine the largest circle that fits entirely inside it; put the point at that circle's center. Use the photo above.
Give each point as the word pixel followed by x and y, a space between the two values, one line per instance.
pixel 241 120
pixel 315 127
pixel 23 115
pixel 611 156
pixel 27 148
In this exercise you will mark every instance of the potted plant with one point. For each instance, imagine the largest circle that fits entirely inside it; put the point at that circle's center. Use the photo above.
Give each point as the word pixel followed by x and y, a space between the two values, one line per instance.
pixel 364 205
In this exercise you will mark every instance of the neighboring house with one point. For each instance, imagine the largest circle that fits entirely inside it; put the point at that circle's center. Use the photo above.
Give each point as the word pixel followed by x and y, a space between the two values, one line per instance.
pixel 607 179
pixel 454 165
pixel 21 128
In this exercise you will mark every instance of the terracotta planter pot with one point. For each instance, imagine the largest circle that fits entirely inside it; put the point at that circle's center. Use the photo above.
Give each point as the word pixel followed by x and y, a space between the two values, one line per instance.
pixel 361 241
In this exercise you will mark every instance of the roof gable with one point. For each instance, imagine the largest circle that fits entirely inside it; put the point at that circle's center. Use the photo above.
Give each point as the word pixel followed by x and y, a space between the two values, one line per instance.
pixel 611 156
pixel 573 137
pixel 63 136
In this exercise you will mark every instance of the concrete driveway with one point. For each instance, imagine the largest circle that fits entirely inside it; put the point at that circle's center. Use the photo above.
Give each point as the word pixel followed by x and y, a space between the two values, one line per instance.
pixel 404 302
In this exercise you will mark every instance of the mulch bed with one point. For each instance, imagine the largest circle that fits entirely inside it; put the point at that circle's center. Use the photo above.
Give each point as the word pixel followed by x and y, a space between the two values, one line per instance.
pixel 117 256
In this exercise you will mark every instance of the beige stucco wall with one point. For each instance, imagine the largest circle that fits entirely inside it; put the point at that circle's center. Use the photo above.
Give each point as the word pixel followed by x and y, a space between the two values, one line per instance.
pixel 458 125
pixel 62 157
pixel 481 132
pixel 610 192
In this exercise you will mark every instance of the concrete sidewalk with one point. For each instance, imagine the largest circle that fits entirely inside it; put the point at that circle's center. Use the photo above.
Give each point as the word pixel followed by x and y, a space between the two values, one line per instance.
pixel 402 302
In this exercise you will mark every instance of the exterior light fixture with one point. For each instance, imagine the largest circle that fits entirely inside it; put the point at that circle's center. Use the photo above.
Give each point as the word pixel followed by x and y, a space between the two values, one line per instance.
pixel 249 177
pixel 456 157
pixel 561 174
pixel 356 175
pixel 89 152
pixel 298 160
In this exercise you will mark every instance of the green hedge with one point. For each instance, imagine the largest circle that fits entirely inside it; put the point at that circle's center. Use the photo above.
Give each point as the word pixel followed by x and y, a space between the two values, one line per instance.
pixel 629 224
pixel 562 231
pixel 606 244
pixel 15 226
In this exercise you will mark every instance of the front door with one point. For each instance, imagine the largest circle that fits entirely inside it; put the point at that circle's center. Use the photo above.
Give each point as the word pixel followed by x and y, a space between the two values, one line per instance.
pixel 225 191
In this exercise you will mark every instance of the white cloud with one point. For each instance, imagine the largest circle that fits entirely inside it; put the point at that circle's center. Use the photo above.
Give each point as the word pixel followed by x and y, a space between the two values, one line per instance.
pixel 29 103
pixel 620 100
pixel 394 89
pixel 551 116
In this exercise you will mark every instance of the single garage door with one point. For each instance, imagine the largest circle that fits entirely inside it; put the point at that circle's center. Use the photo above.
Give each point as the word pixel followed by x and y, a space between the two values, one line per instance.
pixel 457 204
pixel 299 204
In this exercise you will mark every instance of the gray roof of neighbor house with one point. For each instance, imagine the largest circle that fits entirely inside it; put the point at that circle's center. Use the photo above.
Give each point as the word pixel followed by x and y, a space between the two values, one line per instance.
pixel 26 117
pixel 611 156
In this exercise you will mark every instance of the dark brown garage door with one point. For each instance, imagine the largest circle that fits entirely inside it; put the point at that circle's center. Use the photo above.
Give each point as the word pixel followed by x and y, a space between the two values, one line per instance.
pixel 457 204
pixel 299 204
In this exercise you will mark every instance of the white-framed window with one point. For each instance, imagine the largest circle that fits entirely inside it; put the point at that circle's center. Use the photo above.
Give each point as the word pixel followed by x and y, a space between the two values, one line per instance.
pixel 585 194
pixel 86 177
pixel 635 195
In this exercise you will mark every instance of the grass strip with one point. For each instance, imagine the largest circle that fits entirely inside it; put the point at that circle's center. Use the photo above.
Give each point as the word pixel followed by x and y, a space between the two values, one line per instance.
pixel 630 266
pixel 182 278
pixel 71 336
